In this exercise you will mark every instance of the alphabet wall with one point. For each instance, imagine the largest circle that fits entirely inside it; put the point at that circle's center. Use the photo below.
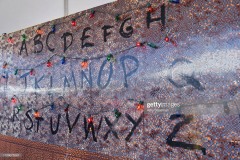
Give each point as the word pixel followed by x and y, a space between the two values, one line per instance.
pixel 137 79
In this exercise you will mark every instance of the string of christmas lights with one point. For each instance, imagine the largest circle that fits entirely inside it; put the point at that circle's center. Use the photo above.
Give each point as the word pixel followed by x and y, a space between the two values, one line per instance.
pixel 84 61
pixel 66 106
pixel 73 22
pixel 138 104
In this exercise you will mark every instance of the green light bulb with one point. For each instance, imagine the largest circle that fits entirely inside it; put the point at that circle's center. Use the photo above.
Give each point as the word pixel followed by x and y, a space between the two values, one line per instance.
pixel 152 45
pixel 20 107
pixel 117 17
pixel 24 37
pixel 16 72
pixel 109 57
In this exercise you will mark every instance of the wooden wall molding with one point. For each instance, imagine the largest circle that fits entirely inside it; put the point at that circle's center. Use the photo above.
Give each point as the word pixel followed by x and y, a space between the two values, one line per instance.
pixel 30 150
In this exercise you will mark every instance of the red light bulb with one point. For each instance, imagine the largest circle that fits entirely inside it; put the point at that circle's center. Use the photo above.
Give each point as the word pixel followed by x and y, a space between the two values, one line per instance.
pixel 10 40
pixel 90 120
pixel 74 23
pixel 91 15
pixel 150 9
pixel 14 100
pixel 167 39
pixel 139 44
pixel 32 72
pixel 49 64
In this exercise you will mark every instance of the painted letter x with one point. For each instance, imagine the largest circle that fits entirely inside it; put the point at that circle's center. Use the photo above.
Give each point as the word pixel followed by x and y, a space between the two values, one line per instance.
pixel 110 125
pixel 135 124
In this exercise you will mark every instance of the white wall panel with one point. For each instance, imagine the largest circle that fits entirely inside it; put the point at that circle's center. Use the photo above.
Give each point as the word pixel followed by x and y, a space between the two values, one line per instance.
pixel 20 14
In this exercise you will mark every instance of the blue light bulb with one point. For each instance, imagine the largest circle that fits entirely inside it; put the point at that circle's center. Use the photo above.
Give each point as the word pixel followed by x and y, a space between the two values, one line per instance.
pixel 53 28
pixel 174 1
pixel 63 60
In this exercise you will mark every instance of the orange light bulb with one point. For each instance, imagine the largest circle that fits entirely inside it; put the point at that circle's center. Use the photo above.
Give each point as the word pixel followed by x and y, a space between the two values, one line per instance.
pixel 36 114
pixel 84 64
pixel 39 31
